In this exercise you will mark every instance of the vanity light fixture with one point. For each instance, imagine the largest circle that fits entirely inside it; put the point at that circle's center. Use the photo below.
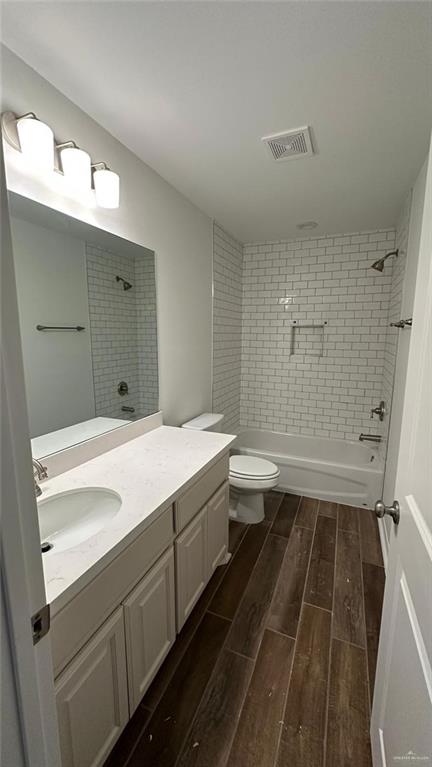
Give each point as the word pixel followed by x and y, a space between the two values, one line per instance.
pixel 76 166
pixel 35 140
pixel 107 186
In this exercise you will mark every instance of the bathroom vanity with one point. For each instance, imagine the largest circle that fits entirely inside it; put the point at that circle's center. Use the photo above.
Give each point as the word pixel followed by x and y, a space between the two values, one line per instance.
pixel 119 598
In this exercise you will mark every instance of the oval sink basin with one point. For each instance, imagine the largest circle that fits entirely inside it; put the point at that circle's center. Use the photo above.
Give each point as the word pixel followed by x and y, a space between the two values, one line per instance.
pixel 70 518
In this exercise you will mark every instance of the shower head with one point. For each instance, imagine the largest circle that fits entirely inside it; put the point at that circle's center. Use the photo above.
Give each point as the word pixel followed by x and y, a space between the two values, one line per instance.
pixel 126 285
pixel 379 265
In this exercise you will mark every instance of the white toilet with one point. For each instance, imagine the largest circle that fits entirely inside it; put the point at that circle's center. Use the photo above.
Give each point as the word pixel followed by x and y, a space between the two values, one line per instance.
pixel 249 477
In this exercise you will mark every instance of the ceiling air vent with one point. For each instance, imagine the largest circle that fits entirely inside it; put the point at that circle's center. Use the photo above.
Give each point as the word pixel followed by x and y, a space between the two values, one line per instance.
pixel 289 144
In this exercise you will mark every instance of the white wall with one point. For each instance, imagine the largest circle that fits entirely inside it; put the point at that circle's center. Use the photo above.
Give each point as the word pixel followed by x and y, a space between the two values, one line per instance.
pixel 51 277
pixel 152 213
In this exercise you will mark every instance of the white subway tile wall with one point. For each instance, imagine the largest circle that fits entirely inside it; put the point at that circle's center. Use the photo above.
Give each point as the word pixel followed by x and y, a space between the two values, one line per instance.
pixel 396 267
pixel 145 281
pixel 123 332
pixel 227 327
pixel 318 280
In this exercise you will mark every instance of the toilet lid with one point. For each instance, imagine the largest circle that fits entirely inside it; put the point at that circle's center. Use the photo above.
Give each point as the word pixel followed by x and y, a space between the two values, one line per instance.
pixel 250 466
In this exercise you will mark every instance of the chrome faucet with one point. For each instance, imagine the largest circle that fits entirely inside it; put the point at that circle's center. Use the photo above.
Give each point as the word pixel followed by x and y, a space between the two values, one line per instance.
pixel 39 472
pixel 370 438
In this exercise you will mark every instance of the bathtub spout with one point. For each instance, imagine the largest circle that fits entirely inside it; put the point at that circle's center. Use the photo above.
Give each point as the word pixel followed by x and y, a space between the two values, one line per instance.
pixel 370 438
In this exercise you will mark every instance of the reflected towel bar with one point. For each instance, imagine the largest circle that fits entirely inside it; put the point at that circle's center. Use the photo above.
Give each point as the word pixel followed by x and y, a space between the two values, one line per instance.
pixel 60 327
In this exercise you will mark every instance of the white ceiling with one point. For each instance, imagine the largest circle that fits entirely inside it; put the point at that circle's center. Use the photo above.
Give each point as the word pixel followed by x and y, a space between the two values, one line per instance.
pixel 192 87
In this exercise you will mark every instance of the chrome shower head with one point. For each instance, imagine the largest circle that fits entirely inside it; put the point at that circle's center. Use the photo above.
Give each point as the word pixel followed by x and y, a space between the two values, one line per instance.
pixel 379 265
pixel 126 285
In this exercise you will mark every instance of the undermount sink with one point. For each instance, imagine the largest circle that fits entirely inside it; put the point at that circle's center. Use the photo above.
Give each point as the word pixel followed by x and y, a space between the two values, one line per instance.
pixel 70 518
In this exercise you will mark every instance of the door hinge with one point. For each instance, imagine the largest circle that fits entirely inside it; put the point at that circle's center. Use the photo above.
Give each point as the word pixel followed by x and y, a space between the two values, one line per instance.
pixel 40 623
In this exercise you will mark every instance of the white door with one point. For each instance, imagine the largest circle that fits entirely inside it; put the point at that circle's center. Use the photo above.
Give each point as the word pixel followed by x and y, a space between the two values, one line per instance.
pixel 21 561
pixel 401 728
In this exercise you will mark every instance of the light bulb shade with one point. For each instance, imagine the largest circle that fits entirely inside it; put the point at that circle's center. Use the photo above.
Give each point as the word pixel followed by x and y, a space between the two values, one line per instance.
pixel 76 166
pixel 107 188
pixel 36 142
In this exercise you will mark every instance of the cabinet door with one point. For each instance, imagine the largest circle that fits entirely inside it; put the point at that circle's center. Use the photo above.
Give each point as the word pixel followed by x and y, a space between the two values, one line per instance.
pixel 92 697
pixel 217 528
pixel 191 565
pixel 149 625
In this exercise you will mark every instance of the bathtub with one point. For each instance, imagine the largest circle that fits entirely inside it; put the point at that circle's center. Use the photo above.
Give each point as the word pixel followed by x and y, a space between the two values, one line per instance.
pixel 329 469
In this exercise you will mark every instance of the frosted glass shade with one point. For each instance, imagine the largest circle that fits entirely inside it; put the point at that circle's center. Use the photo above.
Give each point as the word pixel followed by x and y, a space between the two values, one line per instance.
pixel 76 166
pixel 36 142
pixel 107 188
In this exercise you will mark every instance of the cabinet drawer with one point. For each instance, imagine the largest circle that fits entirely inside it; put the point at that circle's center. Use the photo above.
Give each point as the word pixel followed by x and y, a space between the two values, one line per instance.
pixel 79 619
pixel 197 496
pixel 92 697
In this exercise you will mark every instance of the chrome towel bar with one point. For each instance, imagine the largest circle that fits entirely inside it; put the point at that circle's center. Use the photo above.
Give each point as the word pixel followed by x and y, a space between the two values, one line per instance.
pixel 60 327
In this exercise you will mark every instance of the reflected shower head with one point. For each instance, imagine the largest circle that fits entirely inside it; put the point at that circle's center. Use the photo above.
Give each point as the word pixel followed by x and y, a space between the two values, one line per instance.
pixel 379 265
pixel 126 285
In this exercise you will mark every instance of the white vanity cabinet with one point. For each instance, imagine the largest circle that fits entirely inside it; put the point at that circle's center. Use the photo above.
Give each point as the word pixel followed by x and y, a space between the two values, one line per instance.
pixel 150 627
pixel 110 639
pixel 92 697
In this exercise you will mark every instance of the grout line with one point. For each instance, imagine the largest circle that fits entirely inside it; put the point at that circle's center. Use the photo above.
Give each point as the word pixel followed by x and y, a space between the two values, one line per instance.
pixel 241 655
pixel 218 615
pixel 351 644
pixel 295 644
pixel 368 684
pixel 329 676
pixel 317 607
pixel 281 633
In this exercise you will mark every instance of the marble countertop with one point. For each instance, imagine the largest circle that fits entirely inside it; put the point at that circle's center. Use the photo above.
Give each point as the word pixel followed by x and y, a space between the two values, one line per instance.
pixel 148 472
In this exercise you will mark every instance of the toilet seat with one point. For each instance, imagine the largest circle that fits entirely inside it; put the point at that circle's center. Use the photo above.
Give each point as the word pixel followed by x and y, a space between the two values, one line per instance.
pixel 248 467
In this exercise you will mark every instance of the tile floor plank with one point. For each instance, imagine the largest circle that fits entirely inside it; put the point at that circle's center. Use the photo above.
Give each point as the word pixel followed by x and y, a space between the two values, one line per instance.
pixel 373 583
pixel 126 743
pixel 236 531
pixel 348 518
pixel 307 512
pixel 348 717
pixel 349 623
pixel 306 709
pixel 257 737
pixel 286 515
pixel 319 585
pixel 369 535
pixel 229 594
pixel 285 608
pixel 248 626
pixel 209 741
pixel 164 735
pixel 272 502
pixel 327 509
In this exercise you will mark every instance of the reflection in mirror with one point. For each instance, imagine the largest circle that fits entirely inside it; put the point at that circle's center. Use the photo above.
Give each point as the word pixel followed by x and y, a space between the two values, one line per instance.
pixel 87 307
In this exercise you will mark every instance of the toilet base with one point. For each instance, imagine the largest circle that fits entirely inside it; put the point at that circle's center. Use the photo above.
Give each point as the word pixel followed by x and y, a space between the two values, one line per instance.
pixel 246 507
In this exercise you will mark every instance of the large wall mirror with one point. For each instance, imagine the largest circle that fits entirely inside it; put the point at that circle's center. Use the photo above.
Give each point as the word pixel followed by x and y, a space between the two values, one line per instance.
pixel 87 308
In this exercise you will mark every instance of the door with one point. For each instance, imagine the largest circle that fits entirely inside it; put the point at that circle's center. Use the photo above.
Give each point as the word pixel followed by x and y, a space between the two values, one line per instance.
pixel 217 527
pixel 150 626
pixel 21 562
pixel 401 728
pixel 92 697
pixel 191 566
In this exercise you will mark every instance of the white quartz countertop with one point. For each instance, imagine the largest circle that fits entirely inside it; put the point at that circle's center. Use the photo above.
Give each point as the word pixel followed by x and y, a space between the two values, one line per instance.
pixel 148 472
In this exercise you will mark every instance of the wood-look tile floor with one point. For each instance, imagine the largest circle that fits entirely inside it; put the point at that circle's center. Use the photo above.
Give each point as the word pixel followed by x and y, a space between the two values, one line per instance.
pixel 275 667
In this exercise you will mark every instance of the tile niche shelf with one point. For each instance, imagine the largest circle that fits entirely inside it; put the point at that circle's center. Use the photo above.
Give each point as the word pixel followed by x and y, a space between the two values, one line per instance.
pixel 307 338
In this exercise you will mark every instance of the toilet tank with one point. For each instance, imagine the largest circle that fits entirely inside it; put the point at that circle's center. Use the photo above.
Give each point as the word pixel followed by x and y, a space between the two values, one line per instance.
pixel 205 422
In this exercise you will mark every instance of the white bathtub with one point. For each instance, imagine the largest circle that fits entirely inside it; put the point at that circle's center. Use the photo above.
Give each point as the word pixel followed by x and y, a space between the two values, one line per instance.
pixel 330 469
